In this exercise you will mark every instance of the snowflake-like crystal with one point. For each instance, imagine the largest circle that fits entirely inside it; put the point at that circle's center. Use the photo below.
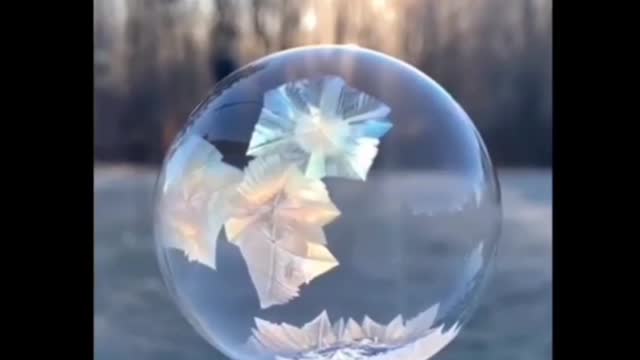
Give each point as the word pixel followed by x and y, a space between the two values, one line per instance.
pixel 414 339
pixel 323 125
pixel 276 219
pixel 201 178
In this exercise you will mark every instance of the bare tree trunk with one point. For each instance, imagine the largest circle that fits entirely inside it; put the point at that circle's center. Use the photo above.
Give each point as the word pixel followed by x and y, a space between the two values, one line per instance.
pixel 289 24
pixel 258 23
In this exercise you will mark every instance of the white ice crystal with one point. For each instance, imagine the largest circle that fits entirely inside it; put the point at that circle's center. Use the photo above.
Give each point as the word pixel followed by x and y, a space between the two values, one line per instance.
pixel 199 177
pixel 415 339
pixel 276 219
pixel 271 211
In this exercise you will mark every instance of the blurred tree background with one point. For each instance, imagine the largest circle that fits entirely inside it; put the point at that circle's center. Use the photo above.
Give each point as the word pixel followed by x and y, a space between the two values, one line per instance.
pixel 155 60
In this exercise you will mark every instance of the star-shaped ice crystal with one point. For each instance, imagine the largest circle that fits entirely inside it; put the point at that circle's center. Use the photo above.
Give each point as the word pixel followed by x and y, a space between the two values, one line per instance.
pixel 322 124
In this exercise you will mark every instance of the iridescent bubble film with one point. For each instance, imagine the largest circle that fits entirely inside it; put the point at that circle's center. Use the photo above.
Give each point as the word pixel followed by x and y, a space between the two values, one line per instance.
pixel 327 202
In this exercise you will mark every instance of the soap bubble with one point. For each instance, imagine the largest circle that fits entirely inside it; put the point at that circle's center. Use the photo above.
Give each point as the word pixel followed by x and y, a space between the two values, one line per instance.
pixel 327 202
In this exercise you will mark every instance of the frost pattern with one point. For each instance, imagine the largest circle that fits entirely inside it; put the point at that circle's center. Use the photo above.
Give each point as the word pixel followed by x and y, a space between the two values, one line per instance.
pixel 275 210
pixel 323 125
pixel 319 339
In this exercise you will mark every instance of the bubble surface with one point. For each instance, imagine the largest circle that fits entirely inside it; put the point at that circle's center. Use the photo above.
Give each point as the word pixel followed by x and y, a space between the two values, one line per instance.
pixel 327 202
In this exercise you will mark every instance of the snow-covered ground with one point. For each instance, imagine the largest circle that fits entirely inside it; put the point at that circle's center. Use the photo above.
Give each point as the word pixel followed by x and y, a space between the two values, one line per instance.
pixel 134 318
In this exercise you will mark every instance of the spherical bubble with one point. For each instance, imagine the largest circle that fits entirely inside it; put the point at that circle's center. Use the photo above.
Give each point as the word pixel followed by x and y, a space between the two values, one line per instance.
pixel 327 203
